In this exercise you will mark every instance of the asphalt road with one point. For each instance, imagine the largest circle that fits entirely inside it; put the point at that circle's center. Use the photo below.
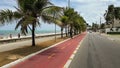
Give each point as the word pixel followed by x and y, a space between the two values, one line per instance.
pixel 97 51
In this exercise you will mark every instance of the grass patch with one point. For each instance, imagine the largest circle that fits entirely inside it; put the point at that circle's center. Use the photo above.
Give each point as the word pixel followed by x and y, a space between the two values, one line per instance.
pixel 12 55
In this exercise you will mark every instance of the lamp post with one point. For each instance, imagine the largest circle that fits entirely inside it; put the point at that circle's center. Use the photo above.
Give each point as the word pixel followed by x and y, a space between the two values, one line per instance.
pixel 55 25
pixel 68 3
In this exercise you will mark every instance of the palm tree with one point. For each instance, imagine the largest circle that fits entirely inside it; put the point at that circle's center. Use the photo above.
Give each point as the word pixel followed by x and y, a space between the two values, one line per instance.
pixel 72 19
pixel 28 13
pixel 95 26
pixel 60 24
pixel 64 20
pixel 55 13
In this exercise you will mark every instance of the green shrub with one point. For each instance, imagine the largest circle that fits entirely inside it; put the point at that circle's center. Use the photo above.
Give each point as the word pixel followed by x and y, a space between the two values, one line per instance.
pixel 113 32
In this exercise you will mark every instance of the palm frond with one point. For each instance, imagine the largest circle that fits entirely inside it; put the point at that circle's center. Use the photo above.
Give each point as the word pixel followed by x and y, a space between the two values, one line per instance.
pixel 26 5
pixel 59 23
pixel 19 23
pixel 53 11
pixel 6 15
pixel 47 19
pixel 24 24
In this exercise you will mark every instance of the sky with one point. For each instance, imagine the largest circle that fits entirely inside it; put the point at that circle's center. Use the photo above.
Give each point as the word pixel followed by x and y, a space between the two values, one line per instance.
pixel 91 10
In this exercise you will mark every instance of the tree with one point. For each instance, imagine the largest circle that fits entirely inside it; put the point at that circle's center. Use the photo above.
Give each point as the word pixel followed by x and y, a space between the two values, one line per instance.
pixel 55 12
pixel 117 12
pixel 102 26
pixel 95 27
pixel 28 13
pixel 64 19
pixel 63 25
pixel 73 20
pixel 109 15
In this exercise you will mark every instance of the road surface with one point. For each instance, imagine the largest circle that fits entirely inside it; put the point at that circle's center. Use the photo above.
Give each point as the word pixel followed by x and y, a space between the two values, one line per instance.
pixel 97 51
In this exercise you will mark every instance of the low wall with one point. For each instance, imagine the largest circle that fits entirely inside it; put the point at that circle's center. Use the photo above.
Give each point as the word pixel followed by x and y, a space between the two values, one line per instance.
pixel 25 38
pixel 114 30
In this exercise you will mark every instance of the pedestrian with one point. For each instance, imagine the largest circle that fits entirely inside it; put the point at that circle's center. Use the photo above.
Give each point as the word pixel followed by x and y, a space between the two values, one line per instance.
pixel 10 35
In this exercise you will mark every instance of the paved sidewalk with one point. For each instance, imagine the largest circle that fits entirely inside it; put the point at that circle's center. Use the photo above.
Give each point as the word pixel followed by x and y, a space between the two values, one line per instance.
pixel 55 57
pixel 20 44
pixel 112 37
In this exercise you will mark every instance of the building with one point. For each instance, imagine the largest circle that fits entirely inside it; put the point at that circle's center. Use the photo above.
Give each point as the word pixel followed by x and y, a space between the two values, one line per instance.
pixel 116 26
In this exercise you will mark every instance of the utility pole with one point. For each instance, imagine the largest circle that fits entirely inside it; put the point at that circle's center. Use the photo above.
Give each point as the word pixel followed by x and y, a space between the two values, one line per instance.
pixel 55 26
pixel 100 24
pixel 68 27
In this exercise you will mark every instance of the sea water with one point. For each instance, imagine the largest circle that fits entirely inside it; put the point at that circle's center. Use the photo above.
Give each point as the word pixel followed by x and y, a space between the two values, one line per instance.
pixel 6 33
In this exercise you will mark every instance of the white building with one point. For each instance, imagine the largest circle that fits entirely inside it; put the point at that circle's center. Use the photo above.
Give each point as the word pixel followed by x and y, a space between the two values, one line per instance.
pixel 116 25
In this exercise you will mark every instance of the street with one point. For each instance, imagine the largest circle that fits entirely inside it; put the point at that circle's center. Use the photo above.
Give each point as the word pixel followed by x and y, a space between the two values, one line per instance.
pixel 97 51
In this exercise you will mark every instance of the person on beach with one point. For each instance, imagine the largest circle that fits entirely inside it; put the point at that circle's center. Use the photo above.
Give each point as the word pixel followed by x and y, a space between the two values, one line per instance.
pixel 10 35
pixel 18 35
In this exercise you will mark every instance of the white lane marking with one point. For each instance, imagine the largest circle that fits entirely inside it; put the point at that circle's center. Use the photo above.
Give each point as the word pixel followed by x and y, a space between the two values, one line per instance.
pixel 73 55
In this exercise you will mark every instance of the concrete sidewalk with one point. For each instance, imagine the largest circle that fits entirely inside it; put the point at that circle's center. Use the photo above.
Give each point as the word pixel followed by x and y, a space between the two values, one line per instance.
pixel 20 44
pixel 115 38
pixel 112 37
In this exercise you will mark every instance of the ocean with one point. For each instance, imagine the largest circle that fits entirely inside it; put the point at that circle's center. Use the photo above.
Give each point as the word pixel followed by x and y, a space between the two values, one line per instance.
pixel 6 33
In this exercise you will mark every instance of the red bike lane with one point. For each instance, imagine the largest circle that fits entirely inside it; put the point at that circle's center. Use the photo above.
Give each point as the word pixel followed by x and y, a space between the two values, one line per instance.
pixel 55 57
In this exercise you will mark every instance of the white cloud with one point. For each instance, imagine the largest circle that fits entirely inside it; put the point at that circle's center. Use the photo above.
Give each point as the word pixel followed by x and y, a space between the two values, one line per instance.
pixel 91 10
pixel 5 4
pixel 85 1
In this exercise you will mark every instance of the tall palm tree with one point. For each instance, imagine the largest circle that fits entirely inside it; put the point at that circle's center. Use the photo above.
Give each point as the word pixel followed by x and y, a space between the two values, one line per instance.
pixel 72 19
pixel 55 12
pixel 64 20
pixel 28 13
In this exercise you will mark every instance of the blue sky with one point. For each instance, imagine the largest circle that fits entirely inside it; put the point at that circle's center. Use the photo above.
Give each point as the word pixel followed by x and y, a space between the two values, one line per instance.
pixel 91 10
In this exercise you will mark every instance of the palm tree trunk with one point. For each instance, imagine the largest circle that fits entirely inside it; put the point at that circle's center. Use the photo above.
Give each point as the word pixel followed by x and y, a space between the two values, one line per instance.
pixel 66 31
pixel 33 34
pixel 71 32
pixel 61 32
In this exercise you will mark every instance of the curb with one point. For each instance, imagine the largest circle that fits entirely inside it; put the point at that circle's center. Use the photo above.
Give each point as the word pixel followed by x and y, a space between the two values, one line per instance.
pixel 73 55
pixel 31 55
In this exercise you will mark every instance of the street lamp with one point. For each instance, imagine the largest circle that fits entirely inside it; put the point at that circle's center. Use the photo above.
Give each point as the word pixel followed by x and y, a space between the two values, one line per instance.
pixel 68 3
